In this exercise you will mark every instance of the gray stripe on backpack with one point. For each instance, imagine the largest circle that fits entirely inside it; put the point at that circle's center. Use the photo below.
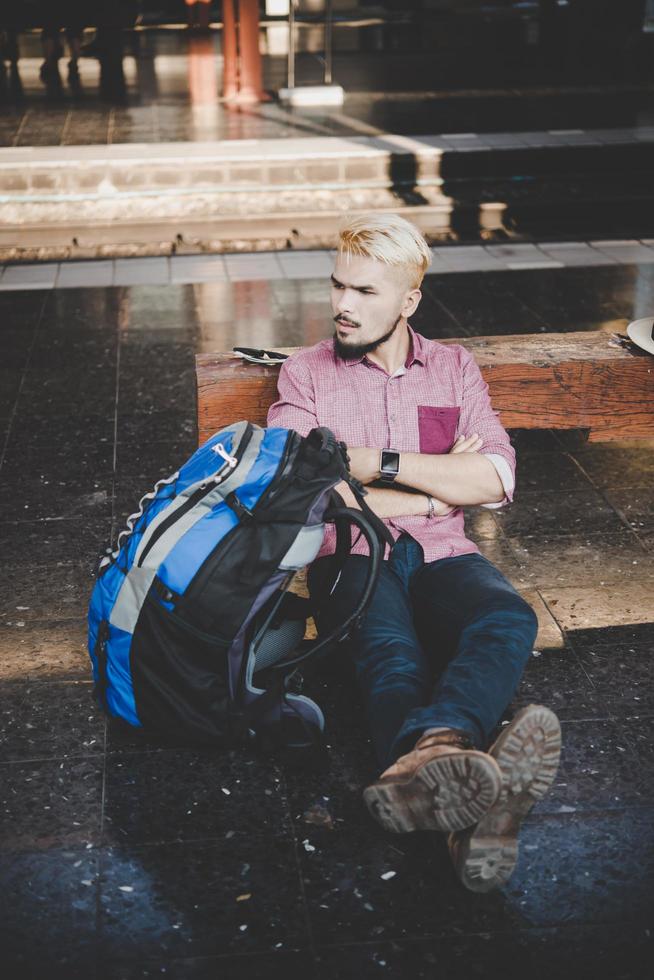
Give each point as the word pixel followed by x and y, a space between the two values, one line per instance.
pixel 180 501
pixel 138 580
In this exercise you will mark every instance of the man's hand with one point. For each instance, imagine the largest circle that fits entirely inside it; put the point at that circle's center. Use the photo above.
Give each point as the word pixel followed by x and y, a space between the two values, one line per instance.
pixel 364 463
pixel 467 444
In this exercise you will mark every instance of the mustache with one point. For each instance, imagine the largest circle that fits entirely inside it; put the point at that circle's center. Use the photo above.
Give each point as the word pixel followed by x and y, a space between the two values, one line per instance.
pixel 343 319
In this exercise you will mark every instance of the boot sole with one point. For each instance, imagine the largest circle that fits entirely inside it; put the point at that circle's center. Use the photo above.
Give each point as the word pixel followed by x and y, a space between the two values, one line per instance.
pixel 527 753
pixel 449 792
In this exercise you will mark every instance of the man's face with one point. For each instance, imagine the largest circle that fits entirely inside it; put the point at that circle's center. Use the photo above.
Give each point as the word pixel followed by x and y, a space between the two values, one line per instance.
pixel 368 300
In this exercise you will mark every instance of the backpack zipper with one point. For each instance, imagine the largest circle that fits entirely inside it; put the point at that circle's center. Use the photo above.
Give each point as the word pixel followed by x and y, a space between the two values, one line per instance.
pixel 231 462
pixel 196 587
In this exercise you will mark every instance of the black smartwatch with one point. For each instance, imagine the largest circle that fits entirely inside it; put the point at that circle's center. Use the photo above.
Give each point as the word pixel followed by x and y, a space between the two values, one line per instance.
pixel 389 465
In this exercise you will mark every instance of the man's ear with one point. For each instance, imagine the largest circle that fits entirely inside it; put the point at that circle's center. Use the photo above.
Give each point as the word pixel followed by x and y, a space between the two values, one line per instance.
pixel 411 301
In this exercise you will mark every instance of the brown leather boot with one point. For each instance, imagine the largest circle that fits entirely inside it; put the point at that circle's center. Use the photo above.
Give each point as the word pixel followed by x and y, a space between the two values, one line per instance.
pixel 527 752
pixel 443 784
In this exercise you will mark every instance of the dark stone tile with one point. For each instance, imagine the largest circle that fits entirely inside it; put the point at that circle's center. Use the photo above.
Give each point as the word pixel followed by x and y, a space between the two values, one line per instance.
pixel 582 952
pixel 156 360
pixel 434 320
pixel 20 307
pixel 34 426
pixel 97 310
pixel 79 485
pixel 50 803
pixel 295 965
pixel 49 542
pixel 608 466
pixel 621 675
pixel 74 350
pixel 85 387
pixel 155 333
pixel 46 651
pixel 61 406
pixel 555 678
pixel 329 795
pixel 547 472
pixel 636 506
pixel 640 728
pixel 603 767
pixel 45 592
pixel 533 442
pixel 550 560
pixel 349 901
pixel 172 387
pixel 10 381
pixel 637 635
pixel 182 900
pixel 5 426
pixel 154 797
pixel 481 309
pixel 565 298
pixel 50 720
pixel 573 512
pixel 15 350
pixel 48 905
pixel 585 869
pixel 161 426
pixel 571 439
pixel 152 461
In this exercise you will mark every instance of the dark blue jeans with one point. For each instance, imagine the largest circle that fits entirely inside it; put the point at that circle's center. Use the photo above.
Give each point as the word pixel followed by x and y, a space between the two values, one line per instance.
pixel 443 643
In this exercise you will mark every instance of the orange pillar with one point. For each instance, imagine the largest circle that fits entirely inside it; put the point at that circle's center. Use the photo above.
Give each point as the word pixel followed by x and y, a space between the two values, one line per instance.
pixel 230 51
pixel 250 83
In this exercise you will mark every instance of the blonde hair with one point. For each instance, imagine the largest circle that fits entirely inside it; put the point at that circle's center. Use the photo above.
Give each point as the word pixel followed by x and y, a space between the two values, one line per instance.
pixel 388 238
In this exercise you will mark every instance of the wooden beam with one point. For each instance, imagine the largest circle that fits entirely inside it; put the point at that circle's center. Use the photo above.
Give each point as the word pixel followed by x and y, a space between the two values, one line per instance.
pixel 536 381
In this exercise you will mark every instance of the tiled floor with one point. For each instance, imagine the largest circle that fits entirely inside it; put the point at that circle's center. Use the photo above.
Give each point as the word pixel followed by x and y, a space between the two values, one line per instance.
pixel 122 861
pixel 310 265
pixel 397 78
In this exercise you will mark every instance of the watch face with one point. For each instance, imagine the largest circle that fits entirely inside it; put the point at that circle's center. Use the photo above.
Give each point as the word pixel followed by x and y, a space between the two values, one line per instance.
pixel 390 462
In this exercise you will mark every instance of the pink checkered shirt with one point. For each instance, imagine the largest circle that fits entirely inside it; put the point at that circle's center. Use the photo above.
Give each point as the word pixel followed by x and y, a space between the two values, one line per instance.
pixel 423 407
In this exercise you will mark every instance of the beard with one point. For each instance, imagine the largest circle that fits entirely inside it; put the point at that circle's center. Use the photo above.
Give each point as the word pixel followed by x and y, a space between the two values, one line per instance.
pixel 352 352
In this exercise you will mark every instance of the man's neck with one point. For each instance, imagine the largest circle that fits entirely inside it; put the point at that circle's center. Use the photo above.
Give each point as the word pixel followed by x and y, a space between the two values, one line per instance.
pixel 393 354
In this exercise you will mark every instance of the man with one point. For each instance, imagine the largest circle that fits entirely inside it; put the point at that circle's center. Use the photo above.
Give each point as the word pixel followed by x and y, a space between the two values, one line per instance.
pixel 446 637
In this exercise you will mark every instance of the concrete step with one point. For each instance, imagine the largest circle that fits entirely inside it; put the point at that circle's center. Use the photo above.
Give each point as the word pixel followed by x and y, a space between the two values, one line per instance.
pixel 244 195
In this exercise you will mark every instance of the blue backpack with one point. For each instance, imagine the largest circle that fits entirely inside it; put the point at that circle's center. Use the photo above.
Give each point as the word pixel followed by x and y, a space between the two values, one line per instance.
pixel 193 634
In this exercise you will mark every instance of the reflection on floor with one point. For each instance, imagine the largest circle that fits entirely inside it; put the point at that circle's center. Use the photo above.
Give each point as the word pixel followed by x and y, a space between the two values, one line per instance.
pixel 412 83
pixel 122 862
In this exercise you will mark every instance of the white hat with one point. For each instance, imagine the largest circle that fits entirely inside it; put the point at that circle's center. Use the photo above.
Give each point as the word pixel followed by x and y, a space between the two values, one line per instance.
pixel 642 333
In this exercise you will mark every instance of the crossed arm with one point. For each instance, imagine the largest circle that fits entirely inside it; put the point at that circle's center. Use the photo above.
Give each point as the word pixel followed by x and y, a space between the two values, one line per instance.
pixel 461 477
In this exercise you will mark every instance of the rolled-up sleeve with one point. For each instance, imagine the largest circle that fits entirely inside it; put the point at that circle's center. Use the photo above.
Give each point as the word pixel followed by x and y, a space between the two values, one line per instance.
pixel 296 406
pixel 478 415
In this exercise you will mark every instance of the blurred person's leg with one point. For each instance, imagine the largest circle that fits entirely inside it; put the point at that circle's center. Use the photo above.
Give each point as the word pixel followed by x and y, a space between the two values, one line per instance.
pixel 197 13
pixel 74 32
pixel 51 46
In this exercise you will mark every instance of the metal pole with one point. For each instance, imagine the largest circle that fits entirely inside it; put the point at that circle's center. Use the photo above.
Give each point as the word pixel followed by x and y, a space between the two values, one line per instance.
pixel 328 43
pixel 291 46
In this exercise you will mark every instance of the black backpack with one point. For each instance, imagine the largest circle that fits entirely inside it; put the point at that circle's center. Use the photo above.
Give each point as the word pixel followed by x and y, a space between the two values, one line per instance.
pixel 193 634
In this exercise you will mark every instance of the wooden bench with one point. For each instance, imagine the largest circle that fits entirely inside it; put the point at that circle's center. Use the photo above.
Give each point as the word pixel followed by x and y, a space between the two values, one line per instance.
pixel 547 381
pixel 542 381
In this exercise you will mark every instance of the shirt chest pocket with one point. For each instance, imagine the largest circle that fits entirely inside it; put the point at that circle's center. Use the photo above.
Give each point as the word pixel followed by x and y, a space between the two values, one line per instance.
pixel 437 427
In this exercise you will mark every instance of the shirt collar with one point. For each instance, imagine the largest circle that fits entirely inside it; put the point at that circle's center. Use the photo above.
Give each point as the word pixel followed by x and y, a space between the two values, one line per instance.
pixel 417 351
